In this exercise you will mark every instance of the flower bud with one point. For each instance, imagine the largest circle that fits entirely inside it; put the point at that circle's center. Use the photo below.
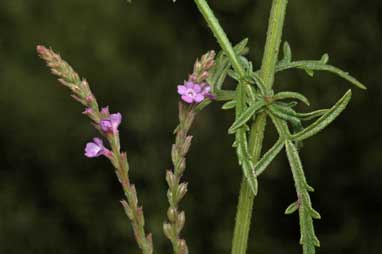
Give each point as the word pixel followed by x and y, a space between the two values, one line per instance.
pixel 167 229
pixel 180 222
pixel 172 214
pixel 181 191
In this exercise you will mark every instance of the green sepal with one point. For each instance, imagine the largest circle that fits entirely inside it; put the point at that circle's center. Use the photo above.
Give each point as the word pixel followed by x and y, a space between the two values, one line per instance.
pixel 324 120
pixel 291 95
pixel 291 208
pixel 245 116
pixel 229 105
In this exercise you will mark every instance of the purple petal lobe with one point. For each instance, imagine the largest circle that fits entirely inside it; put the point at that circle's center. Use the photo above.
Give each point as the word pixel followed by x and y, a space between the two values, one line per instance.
pixel 187 99
pixel 198 98
pixel 182 90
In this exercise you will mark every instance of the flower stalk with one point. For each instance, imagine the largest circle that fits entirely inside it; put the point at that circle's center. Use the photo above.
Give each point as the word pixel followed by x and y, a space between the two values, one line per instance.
pixel 195 90
pixel 107 124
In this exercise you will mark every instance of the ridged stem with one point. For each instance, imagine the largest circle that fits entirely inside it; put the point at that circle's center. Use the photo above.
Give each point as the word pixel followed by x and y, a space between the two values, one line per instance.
pixel 276 22
pixel 246 197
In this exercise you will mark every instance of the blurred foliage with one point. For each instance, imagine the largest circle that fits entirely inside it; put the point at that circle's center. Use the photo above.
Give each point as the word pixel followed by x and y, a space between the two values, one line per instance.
pixel 52 198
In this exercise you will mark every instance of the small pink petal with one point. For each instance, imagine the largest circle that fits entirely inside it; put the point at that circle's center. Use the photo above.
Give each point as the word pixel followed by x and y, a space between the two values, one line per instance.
pixel 187 99
pixel 197 88
pixel 182 90
pixel 189 84
pixel 198 98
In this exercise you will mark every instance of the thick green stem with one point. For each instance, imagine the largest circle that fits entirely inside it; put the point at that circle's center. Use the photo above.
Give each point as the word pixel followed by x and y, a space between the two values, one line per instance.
pixel 276 22
pixel 246 197
pixel 272 44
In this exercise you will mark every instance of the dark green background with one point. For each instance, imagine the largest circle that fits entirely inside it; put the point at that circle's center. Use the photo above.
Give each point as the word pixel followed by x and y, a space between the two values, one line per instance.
pixel 54 200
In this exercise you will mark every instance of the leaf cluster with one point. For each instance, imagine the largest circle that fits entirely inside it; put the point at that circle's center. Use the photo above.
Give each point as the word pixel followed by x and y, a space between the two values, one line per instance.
pixel 252 97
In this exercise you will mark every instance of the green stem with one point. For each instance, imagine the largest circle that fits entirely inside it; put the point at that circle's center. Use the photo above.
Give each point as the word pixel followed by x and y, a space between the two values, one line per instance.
pixel 276 22
pixel 246 197
pixel 220 35
pixel 272 44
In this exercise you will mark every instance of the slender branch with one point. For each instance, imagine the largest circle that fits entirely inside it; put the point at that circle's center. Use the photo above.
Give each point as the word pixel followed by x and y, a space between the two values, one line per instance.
pixel 177 190
pixel 82 93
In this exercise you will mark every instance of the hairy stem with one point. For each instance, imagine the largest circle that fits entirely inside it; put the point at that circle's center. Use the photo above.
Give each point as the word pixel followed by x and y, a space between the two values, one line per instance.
pixel 276 21
pixel 246 197
pixel 272 44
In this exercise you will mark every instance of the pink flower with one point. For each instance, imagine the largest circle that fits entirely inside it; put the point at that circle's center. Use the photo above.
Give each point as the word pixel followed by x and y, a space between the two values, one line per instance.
pixel 96 148
pixel 193 93
pixel 110 124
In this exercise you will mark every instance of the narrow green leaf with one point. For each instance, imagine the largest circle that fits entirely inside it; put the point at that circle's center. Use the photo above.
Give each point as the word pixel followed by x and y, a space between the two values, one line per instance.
pixel 284 114
pixel 310 72
pixel 291 95
pixel 308 237
pixel 225 95
pixel 268 157
pixel 291 208
pixel 324 59
pixel 287 53
pixel 229 105
pixel 231 73
pixel 319 66
pixel 312 115
pixel 259 82
pixel 315 214
pixel 281 125
pixel 325 119
pixel 202 105
pixel 245 116
pixel 309 188
pixel 242 150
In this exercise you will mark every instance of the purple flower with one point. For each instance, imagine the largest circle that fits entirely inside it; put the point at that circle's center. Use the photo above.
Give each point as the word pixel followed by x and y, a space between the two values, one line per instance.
pixel 96 148
pixel 191 92
pixel 111 123
pixel 207 91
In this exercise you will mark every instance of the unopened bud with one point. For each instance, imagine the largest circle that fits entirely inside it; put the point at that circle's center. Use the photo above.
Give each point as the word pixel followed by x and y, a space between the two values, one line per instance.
pixel 182 247
pixel 181 191
pixel 186 145
pixel 172 214
pixel 180 222
pixel 167 230
pixel 171 179
pixel 140 217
